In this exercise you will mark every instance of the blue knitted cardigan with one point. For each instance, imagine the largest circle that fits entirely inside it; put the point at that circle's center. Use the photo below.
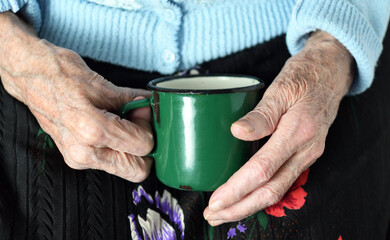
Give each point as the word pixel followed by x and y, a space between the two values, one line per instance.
pixel 172 35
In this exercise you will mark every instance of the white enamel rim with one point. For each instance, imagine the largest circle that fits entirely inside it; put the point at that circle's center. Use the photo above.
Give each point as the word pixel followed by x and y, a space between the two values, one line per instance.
pixel 206 84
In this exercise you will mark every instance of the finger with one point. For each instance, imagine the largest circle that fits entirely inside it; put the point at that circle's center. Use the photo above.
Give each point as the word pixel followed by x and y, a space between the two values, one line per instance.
pixel 129 94
pixel 100 128
pixel 262 120
pixel 127 166
pixel 77 156
pixel 290 137
pixel 141 116
pixel 142 92
pixel 216 223
pixel 110 97
pixel 265 196
pixel 144 113
pixel 125 136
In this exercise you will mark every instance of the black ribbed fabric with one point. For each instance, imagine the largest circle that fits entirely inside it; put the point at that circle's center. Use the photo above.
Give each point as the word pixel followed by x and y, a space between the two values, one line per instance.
pixel 347 188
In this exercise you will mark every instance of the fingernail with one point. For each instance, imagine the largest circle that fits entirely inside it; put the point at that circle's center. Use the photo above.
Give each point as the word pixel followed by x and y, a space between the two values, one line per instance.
pixel 216 206
pixel 245 125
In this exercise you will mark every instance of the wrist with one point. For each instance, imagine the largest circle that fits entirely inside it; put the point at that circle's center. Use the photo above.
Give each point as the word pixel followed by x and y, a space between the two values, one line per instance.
pixel 10 23
pixel 334 57
pixel 16 39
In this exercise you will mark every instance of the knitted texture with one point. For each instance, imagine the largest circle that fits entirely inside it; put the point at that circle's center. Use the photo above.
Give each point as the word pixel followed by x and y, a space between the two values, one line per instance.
pixel 13 5
pixel 360 30
pixel 171 35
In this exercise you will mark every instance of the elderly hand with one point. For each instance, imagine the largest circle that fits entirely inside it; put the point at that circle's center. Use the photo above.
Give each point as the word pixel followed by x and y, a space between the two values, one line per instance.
pixel 297 109
pixel 72 104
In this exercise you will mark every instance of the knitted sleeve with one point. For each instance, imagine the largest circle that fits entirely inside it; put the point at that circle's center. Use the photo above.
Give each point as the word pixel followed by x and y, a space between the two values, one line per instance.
pixel 358 24
pixel 28 8
pixel 11 5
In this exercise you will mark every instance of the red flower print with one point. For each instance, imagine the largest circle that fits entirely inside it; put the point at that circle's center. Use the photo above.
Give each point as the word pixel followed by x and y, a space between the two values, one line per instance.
pixel 293 199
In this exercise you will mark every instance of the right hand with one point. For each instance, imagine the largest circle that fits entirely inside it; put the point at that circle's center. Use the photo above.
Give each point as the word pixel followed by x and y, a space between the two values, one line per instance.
pixel 72 104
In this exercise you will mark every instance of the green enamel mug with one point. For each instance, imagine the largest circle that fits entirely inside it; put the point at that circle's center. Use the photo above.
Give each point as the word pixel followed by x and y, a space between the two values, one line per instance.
pixel 194 148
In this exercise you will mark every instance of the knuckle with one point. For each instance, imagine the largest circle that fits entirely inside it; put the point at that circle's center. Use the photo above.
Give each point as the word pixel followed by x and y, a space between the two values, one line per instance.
pixel 149 146
pixel 294 169
pixel 308 127
pixel 90 133
pixel 260 170
pixel 271 195
pixel 83 160
pixel 140 140
pixel 78 157
pixel 318 151
pixel 140 169
pixel 145 146
pixel 71 164
pixel 140 176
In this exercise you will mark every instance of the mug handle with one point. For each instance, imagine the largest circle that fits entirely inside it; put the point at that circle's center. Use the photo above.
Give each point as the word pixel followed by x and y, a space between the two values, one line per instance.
pixel 127 107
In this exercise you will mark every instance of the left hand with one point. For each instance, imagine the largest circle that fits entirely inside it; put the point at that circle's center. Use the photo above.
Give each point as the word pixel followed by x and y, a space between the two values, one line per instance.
pixel 297 109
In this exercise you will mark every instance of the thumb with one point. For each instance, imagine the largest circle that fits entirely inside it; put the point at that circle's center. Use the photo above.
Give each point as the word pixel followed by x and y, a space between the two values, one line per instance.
pixel 261 121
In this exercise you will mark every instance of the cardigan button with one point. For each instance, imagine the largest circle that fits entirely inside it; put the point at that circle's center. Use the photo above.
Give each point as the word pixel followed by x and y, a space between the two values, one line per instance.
pixel 168 56
pixel 169 15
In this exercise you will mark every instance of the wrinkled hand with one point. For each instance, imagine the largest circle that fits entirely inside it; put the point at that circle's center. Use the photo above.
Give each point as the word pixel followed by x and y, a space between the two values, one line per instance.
pixel 297 109
pixel 72 104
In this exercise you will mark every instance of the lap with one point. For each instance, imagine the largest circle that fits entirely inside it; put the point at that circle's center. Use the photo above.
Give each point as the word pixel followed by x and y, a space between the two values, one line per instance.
pixel 344 194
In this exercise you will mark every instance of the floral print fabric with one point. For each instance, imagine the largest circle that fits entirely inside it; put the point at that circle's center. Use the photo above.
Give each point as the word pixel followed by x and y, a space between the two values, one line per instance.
pixel 293 199
pixel 154 227
pixel 157 227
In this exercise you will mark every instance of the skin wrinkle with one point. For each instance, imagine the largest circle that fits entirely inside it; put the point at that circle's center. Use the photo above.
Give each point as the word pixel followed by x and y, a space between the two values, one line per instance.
pixel 324 68
pixel 266 113
pixel 41 102
pixel 294 169
pixel 263 112
pixel 291 90
pixel 60 90
pixel 272 194
pixel 259 194
pixel 308 90
pixel 261 169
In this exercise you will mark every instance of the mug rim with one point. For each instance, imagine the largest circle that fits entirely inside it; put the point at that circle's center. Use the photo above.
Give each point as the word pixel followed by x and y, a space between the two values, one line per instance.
pixel 152 85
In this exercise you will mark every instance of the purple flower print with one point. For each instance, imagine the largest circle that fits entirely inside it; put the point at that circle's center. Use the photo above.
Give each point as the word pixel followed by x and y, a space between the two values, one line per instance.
pixel 137 194
pixel 134 233
pixel 156 228
pixel 136 197
pixel 170 206
pixel 231 233
pixel 241 227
